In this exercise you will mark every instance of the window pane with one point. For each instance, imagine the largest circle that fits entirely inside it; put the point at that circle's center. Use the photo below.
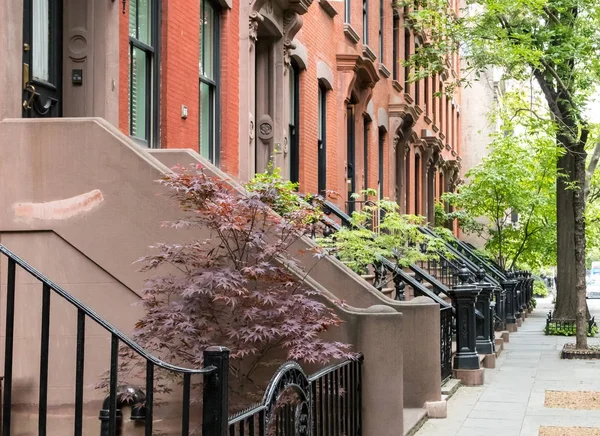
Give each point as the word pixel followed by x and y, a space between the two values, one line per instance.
pixel 144 21
pixel 133 18
pixel 139 94
pixel 207 42
pixel 41 30
pixel 206 120
pixel 292 76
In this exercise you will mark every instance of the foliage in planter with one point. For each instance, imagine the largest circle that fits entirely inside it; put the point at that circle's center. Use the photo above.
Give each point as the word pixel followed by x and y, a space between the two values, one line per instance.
pixel 568 330
pixel 533 303
pixel 233 288
pixel 398 238
pixel 539 289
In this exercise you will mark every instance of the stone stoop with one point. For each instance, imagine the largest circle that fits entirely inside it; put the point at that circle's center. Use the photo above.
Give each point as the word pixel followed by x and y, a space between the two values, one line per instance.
pixel 413 420
pixel 450 387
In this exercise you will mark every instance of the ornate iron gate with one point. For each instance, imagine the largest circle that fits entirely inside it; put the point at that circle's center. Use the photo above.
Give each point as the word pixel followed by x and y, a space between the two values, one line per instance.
pixel 326 403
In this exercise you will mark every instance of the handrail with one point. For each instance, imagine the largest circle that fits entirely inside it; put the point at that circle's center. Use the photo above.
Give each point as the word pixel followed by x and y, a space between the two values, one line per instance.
pixel 93 315
pixel 431 279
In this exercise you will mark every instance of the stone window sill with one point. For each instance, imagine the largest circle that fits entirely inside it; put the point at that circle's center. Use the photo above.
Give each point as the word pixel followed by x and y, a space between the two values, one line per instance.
pixel 351 33
pixel 369 53
pixel 328 7
pixel 384 71
pixel 397 86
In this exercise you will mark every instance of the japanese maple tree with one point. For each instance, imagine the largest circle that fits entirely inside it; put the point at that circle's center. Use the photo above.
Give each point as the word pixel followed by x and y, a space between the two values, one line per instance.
pixel 237 285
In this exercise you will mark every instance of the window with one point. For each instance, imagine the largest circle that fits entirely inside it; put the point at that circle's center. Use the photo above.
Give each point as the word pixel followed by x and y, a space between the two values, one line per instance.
pixel 208 74
pixel 294 123
pixel 381 31
pixel 347 12
pixel 322 140
pixel 426 96
pixel 366 127
pixel 143 74
pixel 417 184
pixel 366 22
pixel 406 59
pixel 407 182
pixel 395 41
pixel 381 142
pixel 417 82
pixel 434 104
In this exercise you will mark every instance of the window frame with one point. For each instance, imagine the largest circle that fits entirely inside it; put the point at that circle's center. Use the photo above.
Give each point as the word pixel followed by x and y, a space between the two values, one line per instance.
pixel 322 140
pixel 395 44
pixel 347 11
pixel 381 36
pixel 152 113
pixel 214 84
pixel 294 125
pixel 365 14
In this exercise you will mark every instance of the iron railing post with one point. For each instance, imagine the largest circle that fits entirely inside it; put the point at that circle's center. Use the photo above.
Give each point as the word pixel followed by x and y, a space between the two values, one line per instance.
pixel 463 297
pixel 509 286
pixel 216 403
pixel 482 303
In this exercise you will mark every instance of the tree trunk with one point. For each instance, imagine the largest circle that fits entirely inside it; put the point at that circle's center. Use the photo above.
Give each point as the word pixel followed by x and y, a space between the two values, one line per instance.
pixel 579 236
pixel 566 296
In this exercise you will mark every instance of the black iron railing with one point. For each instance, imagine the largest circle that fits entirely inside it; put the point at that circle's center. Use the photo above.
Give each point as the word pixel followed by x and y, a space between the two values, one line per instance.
pixel 446 341
pixel 326 403
pixel 214 374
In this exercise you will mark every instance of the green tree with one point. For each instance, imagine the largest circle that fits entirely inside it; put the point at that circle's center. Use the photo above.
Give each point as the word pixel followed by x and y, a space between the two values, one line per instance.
pixel 516 178
pixel 555 43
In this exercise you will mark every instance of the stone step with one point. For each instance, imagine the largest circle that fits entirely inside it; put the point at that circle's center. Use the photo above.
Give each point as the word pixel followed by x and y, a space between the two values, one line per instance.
pixel 413 420
pixel 450 387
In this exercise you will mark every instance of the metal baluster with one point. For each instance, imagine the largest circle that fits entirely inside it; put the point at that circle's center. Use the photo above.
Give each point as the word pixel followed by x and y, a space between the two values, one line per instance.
pixel 232 430
pixel 251 426
pixel 313 395
pixel 331 409
pixel 322 425
pixel 149 397
pixel 79 370
pixel 43 395
pixel 242 430
pixel 8 346
pixel 185 415
pixel 342 402
pixel 114 369
pixel 359 393
pixel 351 391
pixel 336 393
pixel 262 423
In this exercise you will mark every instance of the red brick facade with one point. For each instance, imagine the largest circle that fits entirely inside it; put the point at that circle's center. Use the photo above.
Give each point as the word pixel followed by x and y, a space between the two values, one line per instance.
pixel 420 133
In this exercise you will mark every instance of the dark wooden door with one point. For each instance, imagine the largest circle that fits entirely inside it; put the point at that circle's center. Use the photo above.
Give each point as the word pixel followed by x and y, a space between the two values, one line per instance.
pixel 42 58
pixel 351 159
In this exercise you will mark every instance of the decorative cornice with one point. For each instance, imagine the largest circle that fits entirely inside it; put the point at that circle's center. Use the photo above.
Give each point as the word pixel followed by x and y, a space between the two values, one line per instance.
pixel 299 6
pixel 363 68
pixel 369 53
pixel 432 141
pixel 351 33
pixel 328 7
pixel 384 71
pixel 404 111
pixel 255 19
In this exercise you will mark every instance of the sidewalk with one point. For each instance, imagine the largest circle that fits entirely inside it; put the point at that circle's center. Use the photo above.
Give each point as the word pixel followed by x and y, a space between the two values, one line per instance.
pixel 511 403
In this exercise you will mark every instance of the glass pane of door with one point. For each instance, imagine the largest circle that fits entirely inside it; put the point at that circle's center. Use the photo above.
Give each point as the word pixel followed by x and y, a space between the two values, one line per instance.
pixel 139 94
pixel 41 40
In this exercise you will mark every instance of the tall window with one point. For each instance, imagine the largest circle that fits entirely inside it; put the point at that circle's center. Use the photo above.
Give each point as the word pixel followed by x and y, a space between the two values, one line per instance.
pixel 417 184
pixel 380 143
pixel 426 96
pixel 406 59
pixel 143 74
pixel 366 126
pixel 417 82
pixel 208 73
pixel 434 85
pixel 366 22
pixel 381 31
pixel 395 41
pixel 347 12
pixel 322 141
pixel 294 123
pixel 407 182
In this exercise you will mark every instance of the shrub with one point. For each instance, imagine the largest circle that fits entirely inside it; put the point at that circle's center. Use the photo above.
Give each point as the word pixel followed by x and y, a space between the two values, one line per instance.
pixel 539 289
pixel 235 287
pixel 398 238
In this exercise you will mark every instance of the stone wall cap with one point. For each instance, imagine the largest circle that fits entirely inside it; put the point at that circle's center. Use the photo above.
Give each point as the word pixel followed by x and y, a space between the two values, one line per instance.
pixel 380 308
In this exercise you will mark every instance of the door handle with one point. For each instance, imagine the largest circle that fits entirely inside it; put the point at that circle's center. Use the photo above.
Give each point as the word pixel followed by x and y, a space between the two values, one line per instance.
pixel 25 75
pixel 27 103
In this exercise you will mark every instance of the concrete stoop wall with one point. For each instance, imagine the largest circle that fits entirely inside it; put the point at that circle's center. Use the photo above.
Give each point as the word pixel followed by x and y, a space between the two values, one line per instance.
pixel 79 201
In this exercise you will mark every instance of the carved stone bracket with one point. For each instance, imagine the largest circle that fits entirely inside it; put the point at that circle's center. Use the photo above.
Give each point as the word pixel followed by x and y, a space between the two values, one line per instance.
pixel 255 20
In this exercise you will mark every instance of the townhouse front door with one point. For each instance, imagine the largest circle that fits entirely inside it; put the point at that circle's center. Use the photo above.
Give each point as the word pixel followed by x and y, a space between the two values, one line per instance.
pixel 42 58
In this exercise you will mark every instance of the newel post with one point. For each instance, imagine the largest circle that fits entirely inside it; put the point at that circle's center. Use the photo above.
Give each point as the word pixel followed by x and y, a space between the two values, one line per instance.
pixel 216 403
pixel 484 344
pixel 463 297
pixel 509 286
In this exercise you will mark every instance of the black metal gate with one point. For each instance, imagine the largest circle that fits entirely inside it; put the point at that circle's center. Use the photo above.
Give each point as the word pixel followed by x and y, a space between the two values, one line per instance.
pixel 326 403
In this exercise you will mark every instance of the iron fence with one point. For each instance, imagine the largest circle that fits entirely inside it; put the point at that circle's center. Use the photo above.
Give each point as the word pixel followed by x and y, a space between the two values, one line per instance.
pixel 446 341
pixel 328 403
pixel 214 374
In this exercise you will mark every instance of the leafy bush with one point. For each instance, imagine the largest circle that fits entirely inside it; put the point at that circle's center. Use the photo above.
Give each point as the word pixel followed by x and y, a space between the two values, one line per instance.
pixel 398 238
pixel 539 289
pixel 568 330
pixel 234 287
